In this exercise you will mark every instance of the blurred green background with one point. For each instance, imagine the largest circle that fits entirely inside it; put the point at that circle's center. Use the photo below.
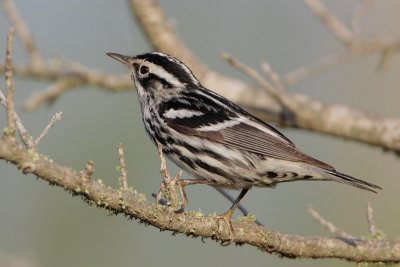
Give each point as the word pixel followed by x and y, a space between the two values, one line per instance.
pixel 42 225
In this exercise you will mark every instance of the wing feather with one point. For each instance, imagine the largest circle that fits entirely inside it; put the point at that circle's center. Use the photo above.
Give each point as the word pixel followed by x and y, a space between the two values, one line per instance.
pixel 253 137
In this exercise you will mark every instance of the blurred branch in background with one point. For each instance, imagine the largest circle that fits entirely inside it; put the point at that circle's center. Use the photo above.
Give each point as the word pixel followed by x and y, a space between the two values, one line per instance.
pixel 331 119
pixel 274 103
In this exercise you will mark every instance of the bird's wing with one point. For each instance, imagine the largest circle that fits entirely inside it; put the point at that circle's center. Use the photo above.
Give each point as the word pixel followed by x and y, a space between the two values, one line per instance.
pixel 250 135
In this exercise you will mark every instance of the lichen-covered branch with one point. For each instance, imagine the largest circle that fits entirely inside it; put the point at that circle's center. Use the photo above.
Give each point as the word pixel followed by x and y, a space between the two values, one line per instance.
pixel 134 205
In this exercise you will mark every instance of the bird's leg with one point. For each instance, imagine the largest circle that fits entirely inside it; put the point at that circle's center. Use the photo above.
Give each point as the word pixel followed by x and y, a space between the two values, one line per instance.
pixel 228 215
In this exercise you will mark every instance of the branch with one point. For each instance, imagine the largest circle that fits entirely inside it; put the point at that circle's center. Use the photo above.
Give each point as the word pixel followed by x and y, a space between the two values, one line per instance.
pixel 10 86
pixel 336 231
pixel 338 29
pixel 134 205
pixel 353 124
pixel 334 119
pixel 123 181
pixel 191 223
pixel 56 118
pixel 23 33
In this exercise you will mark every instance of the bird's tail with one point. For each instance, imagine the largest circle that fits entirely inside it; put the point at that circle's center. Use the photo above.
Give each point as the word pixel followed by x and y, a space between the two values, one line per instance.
pixel 346 179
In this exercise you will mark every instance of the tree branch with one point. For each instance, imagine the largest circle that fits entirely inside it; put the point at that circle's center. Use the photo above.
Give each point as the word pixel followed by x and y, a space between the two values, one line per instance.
pixel 134 205
pixel 191 223
pixel 332 119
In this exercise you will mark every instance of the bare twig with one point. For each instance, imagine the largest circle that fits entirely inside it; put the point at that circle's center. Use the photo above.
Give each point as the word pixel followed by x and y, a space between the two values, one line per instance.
pixel 49 95
pixel 359 11
pixel 56 118
pixel 26 139
pixel 123 181
pixel 340 31
pixel 328 225
pixel 336 119
pixel 386 48
pixel 10 85
pixel 277 92
pixel 23 33
pixel 272 76
pixel 167 187
pixel 317 66
pixel 370 218
pixel 89 170
pixel 271 90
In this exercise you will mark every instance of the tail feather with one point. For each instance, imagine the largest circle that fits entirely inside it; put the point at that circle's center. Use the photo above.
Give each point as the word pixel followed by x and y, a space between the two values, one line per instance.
pixel 346 179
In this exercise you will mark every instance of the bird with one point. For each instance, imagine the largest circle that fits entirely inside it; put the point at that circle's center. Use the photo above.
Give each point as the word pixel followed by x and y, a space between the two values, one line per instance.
pixel 213 139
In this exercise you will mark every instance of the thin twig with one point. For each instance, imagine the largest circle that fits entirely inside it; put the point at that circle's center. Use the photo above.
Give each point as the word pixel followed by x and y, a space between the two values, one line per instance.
pixel 49 95
pixel 339 30
pixel 272 75
pixel 10 85
pixel 163 168
pixel 25 138
pixel 330 227
pixel 56 118
pixel 23 33
pixel 359 11
pixel 370 219
pixel 123 181
pixel 283 97
pixel 89 170
pixel 251 73
pixel 318 66
pixel 167 187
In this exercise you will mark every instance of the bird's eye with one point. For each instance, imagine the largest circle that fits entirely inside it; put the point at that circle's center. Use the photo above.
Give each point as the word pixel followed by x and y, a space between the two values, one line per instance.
pixel 143 70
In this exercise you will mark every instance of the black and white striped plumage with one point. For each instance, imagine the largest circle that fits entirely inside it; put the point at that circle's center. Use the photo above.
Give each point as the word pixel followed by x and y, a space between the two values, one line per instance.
pixel 212 138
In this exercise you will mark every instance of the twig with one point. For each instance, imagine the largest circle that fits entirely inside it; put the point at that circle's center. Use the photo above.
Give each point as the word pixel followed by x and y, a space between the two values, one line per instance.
pixel 271 90
pixel 284 98
pixel 328 225
pixel 272 75
pixel 23 33
pixel 358 13
pixel 89 170
pixel 123 181
pixel 56 118
pixel 167 187
pixel 339 30
pixel 370 218
pixel 25 138
pixel 49 95
pixel 10 85
pixel 317 66
pixel 163 169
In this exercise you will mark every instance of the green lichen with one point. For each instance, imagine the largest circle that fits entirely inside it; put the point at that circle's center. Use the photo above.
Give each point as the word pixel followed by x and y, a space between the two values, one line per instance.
pixel 33 155
pixel 142 197
pixel 7 131
pixel 196 214
pixel 247 219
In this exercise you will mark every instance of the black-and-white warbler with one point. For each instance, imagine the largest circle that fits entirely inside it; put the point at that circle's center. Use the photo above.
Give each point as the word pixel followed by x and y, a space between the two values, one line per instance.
pixel 213 139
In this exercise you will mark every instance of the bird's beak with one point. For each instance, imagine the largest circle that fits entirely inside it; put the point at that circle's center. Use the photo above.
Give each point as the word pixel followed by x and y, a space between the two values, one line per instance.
pixel 121 58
